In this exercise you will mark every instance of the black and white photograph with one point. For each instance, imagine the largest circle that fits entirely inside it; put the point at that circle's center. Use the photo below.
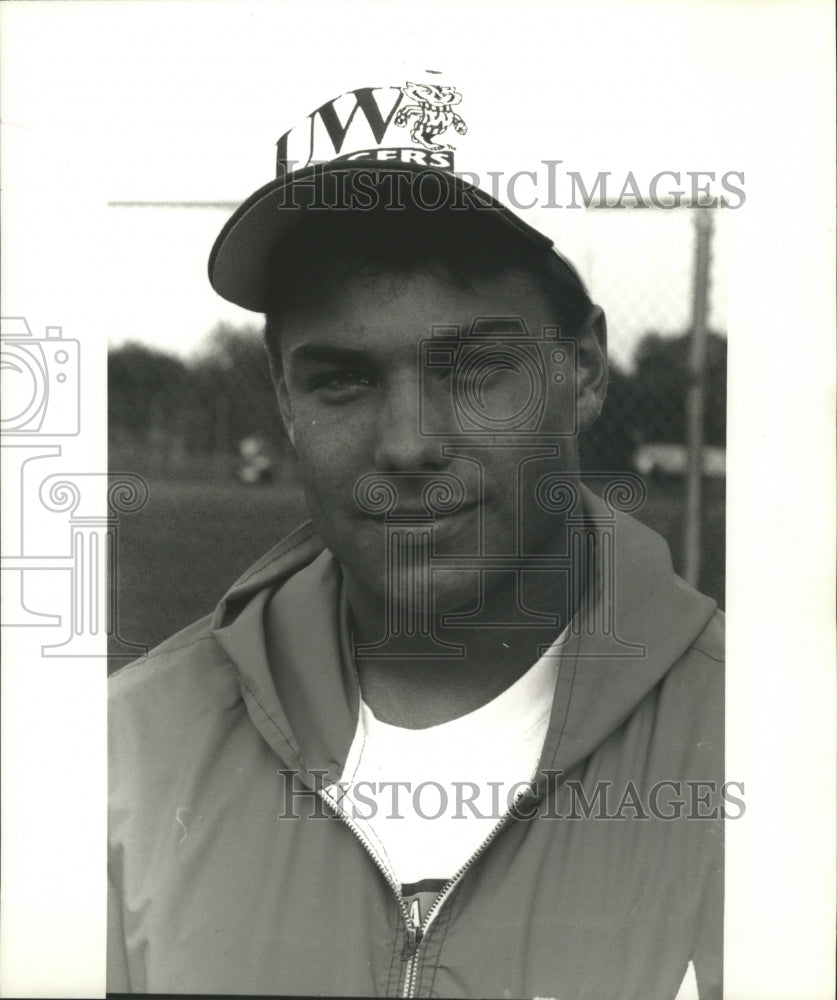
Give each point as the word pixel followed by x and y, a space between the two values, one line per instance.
pixel 400 401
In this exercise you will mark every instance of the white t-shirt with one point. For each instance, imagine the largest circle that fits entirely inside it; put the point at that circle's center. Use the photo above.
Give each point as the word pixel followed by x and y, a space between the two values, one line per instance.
pixel 426 799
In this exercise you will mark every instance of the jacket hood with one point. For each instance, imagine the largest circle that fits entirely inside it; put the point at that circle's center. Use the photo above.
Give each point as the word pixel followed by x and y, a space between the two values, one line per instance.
pixel 284 624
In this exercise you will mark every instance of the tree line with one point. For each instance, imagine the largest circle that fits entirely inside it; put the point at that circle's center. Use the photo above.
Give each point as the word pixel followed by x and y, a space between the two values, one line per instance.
pixel 205 406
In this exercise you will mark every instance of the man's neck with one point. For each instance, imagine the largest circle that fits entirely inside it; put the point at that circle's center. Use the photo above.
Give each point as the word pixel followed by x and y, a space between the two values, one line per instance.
pixel 419 691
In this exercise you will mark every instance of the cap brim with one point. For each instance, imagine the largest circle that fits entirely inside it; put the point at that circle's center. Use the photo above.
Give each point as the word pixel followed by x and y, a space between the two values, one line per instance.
pixel 239 263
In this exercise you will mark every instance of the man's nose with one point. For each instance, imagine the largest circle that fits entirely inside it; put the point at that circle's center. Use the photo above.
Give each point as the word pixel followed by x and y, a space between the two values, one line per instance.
pixel 407 433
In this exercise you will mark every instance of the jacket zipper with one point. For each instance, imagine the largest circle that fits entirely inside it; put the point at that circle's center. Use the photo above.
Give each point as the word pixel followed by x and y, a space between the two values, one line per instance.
pixel 439 901
pixel 414 935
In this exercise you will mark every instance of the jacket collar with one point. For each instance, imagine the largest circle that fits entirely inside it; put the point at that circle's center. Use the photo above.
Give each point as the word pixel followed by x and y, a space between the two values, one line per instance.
pixel 285 627
pixel 639 625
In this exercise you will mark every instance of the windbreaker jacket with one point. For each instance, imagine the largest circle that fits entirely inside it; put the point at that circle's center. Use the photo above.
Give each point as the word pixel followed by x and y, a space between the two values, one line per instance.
pixel 608 891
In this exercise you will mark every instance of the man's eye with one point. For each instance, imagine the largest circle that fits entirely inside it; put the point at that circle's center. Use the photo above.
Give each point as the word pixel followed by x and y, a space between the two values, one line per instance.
pixel 441 373
pixel 338 384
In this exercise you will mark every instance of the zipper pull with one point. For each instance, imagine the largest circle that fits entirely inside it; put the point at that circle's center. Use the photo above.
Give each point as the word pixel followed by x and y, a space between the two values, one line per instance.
pixel 413 941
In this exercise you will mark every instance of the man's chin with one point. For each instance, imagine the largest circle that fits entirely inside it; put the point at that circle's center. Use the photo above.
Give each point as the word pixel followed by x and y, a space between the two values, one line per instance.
pixel 416 596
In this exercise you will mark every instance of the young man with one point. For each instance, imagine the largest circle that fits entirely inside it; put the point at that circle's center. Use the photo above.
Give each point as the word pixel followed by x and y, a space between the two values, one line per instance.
pixel 462 734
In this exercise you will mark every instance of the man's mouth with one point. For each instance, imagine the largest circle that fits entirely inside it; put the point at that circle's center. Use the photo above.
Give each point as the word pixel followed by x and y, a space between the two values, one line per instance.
pixel 419 514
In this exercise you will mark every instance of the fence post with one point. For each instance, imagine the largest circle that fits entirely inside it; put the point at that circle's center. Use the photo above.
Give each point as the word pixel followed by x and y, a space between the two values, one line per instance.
pixel 695 400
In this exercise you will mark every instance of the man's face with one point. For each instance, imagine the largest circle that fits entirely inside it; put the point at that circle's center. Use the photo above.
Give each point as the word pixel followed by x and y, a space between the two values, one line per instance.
pixel 361 395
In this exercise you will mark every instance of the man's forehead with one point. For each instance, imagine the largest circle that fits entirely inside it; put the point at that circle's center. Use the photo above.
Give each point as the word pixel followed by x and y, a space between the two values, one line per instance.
pixel 386 310
pixel 362 302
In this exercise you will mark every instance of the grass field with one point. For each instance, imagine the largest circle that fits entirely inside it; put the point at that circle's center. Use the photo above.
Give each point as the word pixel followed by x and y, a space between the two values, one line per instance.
pixel 180 553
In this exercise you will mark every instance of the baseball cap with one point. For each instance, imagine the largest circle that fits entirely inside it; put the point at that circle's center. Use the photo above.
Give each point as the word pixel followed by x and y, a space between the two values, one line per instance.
pixel 398 147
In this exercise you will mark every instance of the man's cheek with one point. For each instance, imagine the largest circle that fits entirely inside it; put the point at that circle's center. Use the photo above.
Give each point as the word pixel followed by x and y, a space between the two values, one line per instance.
pixel 327 481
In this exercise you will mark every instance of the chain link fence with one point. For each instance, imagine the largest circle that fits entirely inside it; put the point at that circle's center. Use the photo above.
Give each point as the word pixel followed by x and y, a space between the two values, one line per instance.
pixel 661 305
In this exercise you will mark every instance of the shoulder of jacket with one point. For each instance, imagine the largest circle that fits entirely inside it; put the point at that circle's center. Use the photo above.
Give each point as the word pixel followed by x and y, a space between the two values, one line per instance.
pixel 175 650
pixel 195 645
pixel 710 642
pixel 174 696
pixel 187 677
pixel 695 681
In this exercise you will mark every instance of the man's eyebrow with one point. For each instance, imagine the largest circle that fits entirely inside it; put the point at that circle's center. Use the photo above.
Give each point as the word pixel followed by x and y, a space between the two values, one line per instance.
pixel 498 324
pixel 327 354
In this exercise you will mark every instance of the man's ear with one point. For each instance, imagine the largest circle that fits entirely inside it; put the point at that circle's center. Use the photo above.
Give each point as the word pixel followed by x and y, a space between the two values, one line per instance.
pixel 285 406
pixel 592 367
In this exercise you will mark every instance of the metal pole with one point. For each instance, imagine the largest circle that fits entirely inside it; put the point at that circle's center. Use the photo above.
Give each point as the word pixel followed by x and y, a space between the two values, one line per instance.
pixel 695 400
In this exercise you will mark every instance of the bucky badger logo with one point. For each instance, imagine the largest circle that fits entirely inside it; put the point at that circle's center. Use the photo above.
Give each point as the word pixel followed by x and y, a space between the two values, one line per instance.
pixel 432 113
